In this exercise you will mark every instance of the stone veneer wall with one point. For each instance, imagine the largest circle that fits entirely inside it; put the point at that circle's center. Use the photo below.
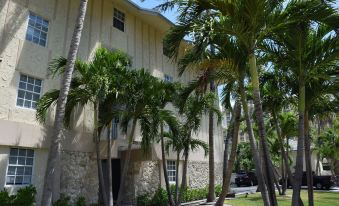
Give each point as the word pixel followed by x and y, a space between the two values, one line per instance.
pixel 79 176
pixel 197 173
pixel 142 178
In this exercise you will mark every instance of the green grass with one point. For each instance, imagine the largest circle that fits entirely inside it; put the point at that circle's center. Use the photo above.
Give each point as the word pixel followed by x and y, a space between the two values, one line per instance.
pixel 320 199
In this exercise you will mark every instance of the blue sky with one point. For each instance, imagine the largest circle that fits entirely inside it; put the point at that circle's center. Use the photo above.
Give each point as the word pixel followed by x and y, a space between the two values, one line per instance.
pixel 150 4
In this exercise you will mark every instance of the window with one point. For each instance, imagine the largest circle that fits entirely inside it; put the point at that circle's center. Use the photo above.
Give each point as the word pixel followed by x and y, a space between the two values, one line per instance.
pixel 115 127
pixel 171 171
pixel 119 20
pixel 20 167
pixel 37 29
pixel 29 91
pixel 168 78
pixel 242 137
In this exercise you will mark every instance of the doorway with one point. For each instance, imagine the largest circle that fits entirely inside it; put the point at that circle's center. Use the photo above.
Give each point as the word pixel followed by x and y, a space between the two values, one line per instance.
pixel 116 175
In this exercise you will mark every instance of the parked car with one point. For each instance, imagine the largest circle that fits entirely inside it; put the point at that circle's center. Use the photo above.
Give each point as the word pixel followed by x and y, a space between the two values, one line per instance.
pixel 246 178
pixel 320 182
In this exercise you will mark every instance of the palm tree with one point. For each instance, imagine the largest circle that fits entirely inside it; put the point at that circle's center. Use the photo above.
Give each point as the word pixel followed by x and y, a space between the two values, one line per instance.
pixel 51 189
pixel 308 53
pixel 237 18
pixel 94 84
pixel 192 110
pixel 145 96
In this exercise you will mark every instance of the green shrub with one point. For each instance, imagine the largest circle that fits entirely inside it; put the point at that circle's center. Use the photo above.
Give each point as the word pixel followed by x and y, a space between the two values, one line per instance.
pixel 160 198
pixel 143 200
pixel 24 196
pixel 218 190
pixel 63 201
pixel 81 201
pixel 5 199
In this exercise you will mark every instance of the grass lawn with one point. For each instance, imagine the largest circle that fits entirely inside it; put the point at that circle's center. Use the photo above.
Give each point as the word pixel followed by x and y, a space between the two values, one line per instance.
pixel 320 199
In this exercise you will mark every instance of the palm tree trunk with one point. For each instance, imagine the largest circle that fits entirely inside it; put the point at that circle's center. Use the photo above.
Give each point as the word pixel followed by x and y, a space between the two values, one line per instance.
pixel 308 161
pixel 283 155
pixel 211 185
pixel 168 188
pixel 261 127
pixel 177 191
pixel 300 147
pixel 109 165
pixel 96 135
pixel 265 192
pixel 184 173
pixel 51 190
pixel 232 132
pixel 283 175
pixel 126 163
pixel 317 170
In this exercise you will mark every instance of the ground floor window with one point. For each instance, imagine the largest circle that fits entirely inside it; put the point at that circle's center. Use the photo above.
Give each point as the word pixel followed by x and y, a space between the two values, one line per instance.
pixel 20 167
pixel 171 171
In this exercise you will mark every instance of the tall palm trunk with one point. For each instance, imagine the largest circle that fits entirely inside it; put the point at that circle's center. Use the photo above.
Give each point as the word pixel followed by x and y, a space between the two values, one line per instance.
pixel 317 170
pixel 301 134
pixel 308 161
pixel 184 171
pixel 96 135
pixel 109 165
pixel 168 188
pixel 211 190
pixel 283 174
pixel 126 163
pixel 284 158
pixel 254 148
pixel 177 191
pixel 232 133
pixel 300 147
pixel 51 190
pixel 262 134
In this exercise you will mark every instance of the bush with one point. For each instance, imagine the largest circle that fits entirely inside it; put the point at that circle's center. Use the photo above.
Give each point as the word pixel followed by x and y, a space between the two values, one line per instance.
pixel 63 201
pixel 81 201
pixel 160 198
pixel 218 190
pixel 143 200
pixel 24 196
pixel 5 199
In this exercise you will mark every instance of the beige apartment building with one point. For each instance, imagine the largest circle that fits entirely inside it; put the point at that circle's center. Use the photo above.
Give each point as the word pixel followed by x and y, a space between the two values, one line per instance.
pixel 32 32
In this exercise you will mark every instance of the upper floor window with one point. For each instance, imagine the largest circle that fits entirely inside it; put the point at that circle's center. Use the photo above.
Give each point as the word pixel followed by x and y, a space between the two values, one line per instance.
pixel 171 171
pixel 29 91
pixel 115 128
pixel 119 20
pixel 20 167
pixel 168 78
pixel 37 29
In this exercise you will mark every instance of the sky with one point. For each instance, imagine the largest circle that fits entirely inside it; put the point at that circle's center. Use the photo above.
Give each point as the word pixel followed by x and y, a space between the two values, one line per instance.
pixel 150 4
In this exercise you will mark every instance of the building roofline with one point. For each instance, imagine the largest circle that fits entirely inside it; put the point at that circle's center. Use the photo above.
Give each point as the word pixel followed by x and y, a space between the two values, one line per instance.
pixel 150 12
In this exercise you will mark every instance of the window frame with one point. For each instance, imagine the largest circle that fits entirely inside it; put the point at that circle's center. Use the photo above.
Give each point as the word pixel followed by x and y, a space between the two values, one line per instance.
pixel 34 28
pixel 171 181
pixel 168 78
pixel 18 88
pixel 119 19
pixel 115 123
pixel 17 165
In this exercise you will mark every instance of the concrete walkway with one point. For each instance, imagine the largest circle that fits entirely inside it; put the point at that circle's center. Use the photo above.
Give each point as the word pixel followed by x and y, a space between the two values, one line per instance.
pixel 200 202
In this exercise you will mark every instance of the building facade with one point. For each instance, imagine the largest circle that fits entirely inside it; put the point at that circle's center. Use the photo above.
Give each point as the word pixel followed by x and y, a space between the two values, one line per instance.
pixel 33 32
